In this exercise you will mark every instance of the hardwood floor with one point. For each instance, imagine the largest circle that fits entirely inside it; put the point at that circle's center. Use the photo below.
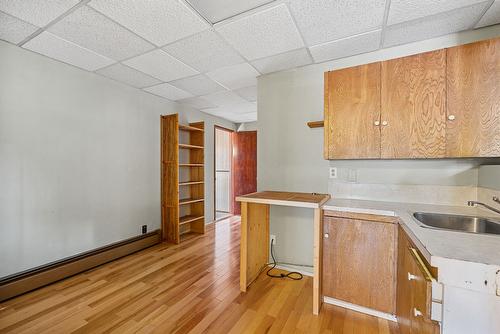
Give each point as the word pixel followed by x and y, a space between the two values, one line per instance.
pixel 192 287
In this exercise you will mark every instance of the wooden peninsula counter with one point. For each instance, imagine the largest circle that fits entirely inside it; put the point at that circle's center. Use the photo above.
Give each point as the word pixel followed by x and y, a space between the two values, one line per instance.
pixel 254 251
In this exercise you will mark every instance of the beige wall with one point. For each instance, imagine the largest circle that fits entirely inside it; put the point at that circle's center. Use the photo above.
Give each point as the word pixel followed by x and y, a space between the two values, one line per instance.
pixel 290 153
pixel 79 159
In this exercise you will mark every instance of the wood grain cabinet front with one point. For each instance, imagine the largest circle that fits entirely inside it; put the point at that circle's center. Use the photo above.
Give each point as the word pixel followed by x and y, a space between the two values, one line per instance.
pixel 473 113
pixel 414 290
pixel 359 262
pixel 414 106
pixel 352 112
pixel 439 104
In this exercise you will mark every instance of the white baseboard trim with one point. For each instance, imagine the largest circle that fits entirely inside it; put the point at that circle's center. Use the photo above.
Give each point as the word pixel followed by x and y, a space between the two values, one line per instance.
pixel 362 309
pixel 289 268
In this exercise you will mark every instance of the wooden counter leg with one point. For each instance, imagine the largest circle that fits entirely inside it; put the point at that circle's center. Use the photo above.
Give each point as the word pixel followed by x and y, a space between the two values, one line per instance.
pixel 254 243
pixel 318 261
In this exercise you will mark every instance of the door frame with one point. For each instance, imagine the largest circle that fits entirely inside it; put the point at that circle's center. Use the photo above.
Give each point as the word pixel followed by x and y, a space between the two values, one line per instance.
pixel 218 127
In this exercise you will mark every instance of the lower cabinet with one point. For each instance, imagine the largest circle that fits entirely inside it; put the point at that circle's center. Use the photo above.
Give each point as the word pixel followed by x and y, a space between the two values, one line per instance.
pixel 359 260
pixel 370 261
pixel 414 290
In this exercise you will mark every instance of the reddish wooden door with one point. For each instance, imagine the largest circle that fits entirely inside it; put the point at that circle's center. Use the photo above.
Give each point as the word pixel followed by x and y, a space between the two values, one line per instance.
pixel 244 165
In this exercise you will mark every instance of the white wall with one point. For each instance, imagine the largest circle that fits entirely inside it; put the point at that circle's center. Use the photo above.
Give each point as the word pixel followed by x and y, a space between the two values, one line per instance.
pixel 79 159
pixel 290 153
pixel 489 176
pixel 249 126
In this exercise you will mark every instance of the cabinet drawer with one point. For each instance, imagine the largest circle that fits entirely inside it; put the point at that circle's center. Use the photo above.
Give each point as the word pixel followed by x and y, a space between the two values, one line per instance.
pixel 422 288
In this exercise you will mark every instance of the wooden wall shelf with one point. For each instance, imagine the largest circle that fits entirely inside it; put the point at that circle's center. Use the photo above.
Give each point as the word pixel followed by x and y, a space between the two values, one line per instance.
pixel 185 201
pixel 190 147
pixel 189 218
pixel 191 165
pixel 186 214
pixel 189 183
pixel 189 128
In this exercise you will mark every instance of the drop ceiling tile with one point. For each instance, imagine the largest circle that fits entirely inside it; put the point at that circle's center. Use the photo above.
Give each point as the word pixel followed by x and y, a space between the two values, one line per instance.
pixel 437 25
pixel 197 102
pixel 407 10
pixel 198 85
pixel 96 32
pixel 158 21
pixel 204 51
pixel 245 118
pixel 14 30
pixel 57 48
pixel 233 115
pixel 37 12
pixel 235 76
pixel 323 21
pixel 239 108
pixel 248 93
pixel 160 65
pixel 225 98
pixel 345 47
pixel 168 91
pixel 262 34
pixel 283 61
pixel 128 76
pixel 218 10
pixel 492 16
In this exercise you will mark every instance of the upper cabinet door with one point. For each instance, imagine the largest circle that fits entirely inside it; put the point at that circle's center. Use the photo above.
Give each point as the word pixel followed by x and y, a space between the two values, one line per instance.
pixel 413 121
pixel 473 113
pixel 352 112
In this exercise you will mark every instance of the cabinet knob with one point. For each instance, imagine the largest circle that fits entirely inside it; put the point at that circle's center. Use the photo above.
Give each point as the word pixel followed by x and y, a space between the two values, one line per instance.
pixel 411 277
pixel 377 123
pixel 327 235
pixel 384 123
pixel 416 312
pixel 451 117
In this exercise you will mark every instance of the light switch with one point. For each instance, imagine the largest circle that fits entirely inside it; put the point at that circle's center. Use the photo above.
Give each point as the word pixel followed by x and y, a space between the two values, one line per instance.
pixel 333 172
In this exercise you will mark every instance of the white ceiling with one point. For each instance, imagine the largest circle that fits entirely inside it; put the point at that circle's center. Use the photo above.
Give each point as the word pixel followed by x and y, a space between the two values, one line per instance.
pixel 207 54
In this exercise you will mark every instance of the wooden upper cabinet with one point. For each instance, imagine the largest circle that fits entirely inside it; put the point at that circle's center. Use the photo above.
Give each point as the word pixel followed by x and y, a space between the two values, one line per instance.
pixel 352 106
pixel 439 104
pixel 413 121
pixel 473 124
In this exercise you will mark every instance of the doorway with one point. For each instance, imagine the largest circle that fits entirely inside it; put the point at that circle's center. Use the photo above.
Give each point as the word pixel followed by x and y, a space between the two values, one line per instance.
pixel 235 169
pixel 223 172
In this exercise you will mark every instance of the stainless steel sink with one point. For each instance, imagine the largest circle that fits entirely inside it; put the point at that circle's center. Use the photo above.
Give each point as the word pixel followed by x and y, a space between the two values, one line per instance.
pixel 470 224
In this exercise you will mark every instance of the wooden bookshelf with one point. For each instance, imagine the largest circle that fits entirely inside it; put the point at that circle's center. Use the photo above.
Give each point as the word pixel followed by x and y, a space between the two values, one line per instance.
pixel 183 183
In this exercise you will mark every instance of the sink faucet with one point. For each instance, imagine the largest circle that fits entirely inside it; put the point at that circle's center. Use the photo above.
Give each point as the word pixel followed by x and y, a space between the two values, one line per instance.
pixel 475 203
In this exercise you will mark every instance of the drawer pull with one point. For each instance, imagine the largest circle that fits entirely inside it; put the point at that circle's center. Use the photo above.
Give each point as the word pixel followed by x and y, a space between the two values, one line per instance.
pixel 420 263
pixel 411 277
pixel 416 312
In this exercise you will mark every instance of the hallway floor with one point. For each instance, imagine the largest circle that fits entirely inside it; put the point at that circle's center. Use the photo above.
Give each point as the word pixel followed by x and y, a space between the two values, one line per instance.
pixel 188 288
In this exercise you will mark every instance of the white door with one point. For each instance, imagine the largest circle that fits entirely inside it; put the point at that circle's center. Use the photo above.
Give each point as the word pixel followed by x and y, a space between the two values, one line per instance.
pixel 223 159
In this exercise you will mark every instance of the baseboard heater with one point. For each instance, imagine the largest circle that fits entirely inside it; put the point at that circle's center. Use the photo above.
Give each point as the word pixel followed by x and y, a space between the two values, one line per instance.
pixel 14 285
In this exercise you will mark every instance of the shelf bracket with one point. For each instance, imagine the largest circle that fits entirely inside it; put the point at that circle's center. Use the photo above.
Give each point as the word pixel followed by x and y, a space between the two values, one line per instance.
pixel 316 124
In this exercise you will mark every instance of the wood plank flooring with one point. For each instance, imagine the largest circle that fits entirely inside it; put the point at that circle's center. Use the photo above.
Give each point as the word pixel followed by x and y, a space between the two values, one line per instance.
pixel 188 288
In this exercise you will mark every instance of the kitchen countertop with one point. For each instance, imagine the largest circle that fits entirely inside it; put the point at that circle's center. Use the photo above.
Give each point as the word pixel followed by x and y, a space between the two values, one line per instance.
pixel 435 245
pixel 286 198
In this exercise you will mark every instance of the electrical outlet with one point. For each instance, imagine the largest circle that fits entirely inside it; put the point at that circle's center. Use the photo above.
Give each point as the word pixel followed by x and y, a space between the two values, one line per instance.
pixel 333 172
pixel 144 229
pixel 272 239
